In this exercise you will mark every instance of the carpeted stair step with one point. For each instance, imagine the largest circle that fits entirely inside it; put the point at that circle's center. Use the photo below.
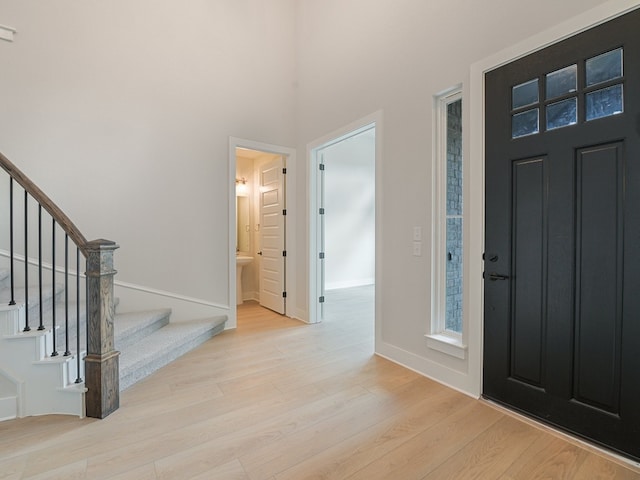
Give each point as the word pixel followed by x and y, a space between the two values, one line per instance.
pixel 147 340
pixel 165 345
pixel 129 328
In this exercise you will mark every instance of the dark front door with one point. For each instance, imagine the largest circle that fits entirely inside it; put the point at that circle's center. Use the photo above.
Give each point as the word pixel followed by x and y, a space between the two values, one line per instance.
pixel 562 262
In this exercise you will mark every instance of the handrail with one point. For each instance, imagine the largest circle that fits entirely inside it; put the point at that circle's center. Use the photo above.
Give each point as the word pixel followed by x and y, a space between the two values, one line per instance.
pixel 101 360
pixel 61 219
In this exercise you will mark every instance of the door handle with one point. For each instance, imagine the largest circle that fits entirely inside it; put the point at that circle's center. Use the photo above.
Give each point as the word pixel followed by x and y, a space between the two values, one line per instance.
pixel 496 276
pixel 260 252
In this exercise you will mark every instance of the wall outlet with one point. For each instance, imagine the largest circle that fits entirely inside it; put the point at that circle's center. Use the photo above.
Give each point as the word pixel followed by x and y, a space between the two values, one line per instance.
pixel 417 249
pixel 417 234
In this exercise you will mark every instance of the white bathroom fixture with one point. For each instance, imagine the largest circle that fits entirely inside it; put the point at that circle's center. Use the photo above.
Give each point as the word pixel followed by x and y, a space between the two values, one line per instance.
pixel 241 261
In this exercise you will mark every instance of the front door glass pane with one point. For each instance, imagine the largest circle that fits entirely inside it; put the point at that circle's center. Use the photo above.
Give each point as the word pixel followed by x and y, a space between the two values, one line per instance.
pixel 604 102
pixel 525 123
pixel 562 81
pixel 602 68
pixel 525 94
pixel 562 114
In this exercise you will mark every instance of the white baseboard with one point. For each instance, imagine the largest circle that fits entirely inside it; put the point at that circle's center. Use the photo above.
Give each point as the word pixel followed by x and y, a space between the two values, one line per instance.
pixel 358 282
pixel 8 408
pixel 134 297
pixel 455 379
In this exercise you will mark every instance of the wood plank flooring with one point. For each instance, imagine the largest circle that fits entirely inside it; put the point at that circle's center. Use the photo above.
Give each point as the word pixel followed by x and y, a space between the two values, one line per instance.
pixel 280 400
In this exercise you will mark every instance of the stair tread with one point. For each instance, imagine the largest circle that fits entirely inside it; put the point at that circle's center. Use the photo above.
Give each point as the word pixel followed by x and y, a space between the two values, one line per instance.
pixel 162 340
pixel 130 322
pixel 146 339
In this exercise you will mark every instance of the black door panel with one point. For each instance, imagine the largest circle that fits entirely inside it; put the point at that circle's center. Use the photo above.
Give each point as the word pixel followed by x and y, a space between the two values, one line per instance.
pixel 562 326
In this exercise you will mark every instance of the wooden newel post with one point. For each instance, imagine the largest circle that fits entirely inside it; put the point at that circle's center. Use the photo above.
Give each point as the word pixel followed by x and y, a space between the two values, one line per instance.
pixel 101 363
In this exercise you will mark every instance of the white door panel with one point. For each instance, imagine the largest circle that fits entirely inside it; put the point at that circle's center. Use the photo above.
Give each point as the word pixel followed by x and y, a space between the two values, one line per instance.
pixel 272 236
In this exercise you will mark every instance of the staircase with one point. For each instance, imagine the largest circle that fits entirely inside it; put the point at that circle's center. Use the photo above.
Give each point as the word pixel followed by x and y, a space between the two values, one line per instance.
pixel 148 341
pixel 33 382
pixel 59 343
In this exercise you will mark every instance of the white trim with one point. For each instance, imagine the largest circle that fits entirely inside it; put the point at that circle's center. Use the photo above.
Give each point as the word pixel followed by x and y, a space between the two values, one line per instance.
pixel 131 286
pixel 474 303
pixel 439 229
pixel 373 120
pixel 448 343
pixel 164 293
pixel 360 282
pixel 34 263
pixel 20 401
pixel 290 236
pixel 439 373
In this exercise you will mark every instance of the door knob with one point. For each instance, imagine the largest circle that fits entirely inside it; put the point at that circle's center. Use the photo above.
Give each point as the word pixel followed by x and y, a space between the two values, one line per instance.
pixel 260 252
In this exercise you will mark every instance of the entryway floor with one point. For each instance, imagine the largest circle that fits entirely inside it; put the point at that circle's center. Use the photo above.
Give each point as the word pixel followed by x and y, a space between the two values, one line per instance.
pixel 278 399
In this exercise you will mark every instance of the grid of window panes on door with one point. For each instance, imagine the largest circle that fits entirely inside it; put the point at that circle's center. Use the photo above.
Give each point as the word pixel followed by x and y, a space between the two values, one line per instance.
pixel 576 93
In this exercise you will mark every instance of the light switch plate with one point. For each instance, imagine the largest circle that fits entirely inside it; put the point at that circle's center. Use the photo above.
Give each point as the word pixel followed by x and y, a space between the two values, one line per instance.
pixel 6 33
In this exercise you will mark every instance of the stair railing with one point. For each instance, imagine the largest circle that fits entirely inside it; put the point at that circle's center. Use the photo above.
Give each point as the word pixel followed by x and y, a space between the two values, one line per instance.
pixel 101 362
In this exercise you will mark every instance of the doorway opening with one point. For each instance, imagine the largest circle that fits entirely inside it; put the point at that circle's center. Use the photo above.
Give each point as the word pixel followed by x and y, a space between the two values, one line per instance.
pixel 343 224
pixel 261 227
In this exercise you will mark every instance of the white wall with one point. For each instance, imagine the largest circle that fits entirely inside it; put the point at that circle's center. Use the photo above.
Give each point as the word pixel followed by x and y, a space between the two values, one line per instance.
pixel 128 105
pixel 356 57
pixel 350 211
pixel 121 112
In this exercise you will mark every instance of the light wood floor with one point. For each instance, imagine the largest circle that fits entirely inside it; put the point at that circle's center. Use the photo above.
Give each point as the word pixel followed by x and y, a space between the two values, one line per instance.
pixel 277 399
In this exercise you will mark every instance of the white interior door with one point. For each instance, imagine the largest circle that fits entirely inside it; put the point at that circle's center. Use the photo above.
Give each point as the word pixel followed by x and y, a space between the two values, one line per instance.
pixel 272 236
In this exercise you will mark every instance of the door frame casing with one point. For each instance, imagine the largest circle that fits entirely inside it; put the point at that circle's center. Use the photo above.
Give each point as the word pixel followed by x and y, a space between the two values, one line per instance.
pixel 313 149
pixel 474 303
pixel 289 155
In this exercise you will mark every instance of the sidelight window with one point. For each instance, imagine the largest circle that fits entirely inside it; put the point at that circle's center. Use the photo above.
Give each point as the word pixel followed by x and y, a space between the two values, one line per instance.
pixel 447 324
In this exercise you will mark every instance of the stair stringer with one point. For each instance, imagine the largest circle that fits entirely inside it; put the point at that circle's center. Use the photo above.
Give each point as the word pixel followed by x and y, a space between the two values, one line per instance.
pixel 43 384
pixel 11 391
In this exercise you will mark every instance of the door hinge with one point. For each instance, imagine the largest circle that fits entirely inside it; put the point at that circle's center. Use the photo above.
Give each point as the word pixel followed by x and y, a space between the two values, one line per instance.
pixel 321 255
pixel 284 253
pixel 284 294
pixel 321 211
pixel 284 171
pixel 321 299
pixel 321 166
pixel 284 212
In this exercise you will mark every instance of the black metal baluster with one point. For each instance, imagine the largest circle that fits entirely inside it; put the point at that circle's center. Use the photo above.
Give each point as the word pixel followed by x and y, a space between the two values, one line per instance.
pixel 86 307
pixel 41 326
pixel 13 300
pixel 78 379
pixel 27 328
pixel 53 282
pixel 67 352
